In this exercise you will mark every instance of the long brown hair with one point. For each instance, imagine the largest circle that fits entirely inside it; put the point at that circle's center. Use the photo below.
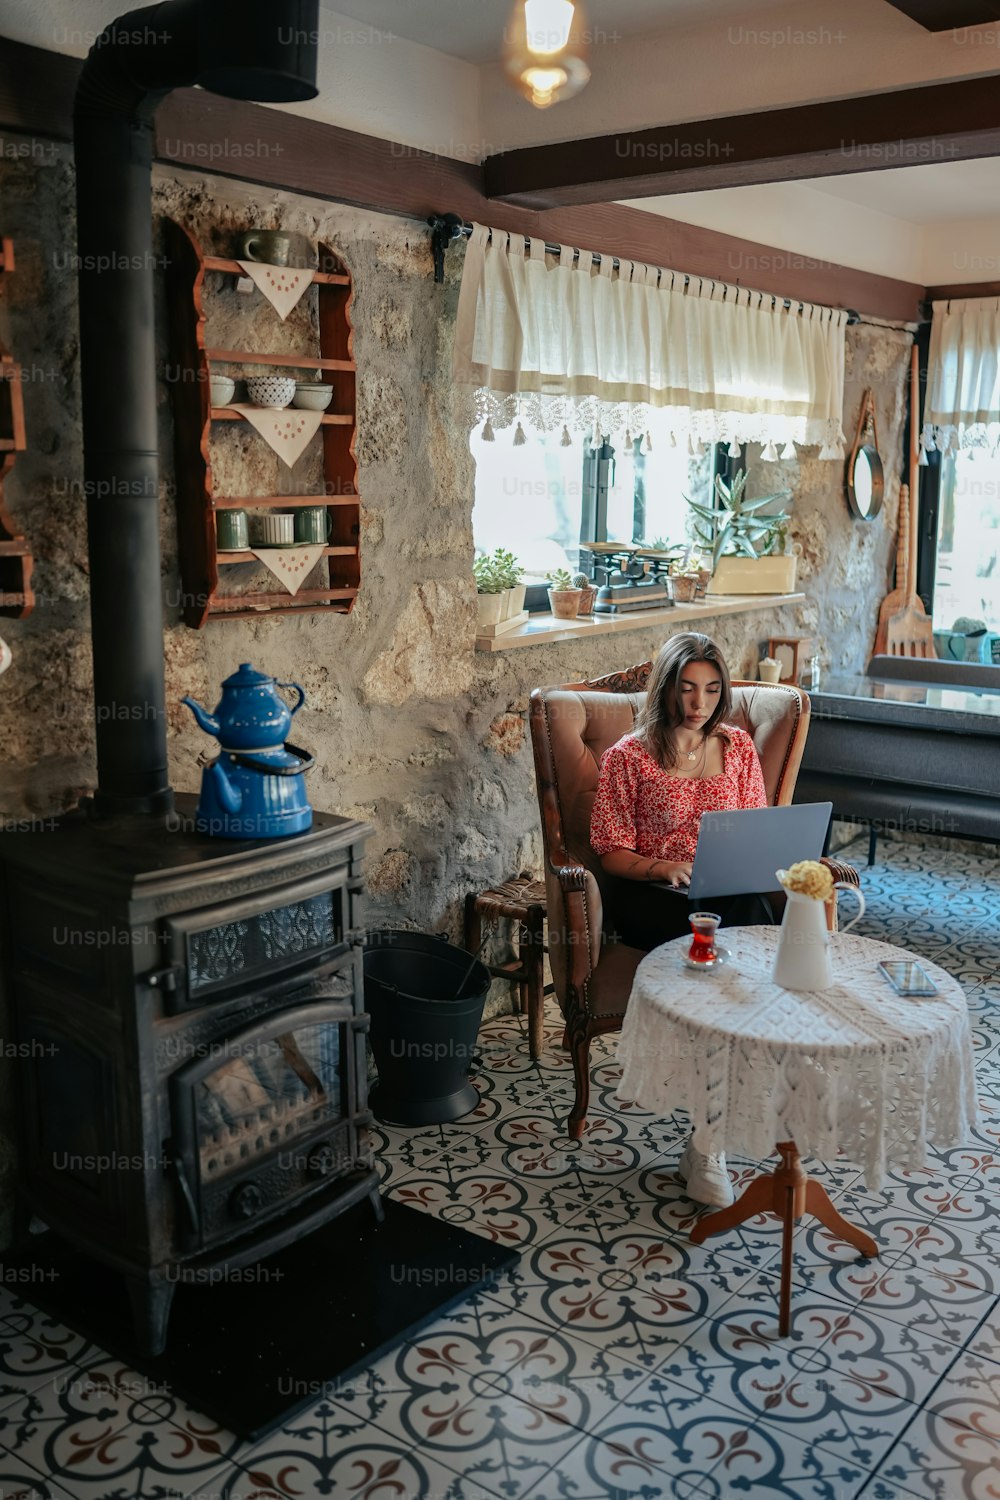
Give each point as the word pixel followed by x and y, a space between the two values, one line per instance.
pixel 662 715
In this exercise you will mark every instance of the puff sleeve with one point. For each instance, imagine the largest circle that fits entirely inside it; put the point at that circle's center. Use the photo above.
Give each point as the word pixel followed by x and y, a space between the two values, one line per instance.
pixel 612 819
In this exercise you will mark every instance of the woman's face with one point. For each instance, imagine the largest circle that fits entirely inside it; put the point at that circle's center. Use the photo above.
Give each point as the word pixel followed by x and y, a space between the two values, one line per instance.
pixel 698 687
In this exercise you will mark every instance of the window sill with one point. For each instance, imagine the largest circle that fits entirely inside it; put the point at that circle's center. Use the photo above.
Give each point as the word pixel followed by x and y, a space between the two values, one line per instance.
pixel 543 630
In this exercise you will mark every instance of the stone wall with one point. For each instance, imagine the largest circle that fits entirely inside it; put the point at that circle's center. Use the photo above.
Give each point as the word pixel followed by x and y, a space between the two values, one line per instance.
pixel 413 731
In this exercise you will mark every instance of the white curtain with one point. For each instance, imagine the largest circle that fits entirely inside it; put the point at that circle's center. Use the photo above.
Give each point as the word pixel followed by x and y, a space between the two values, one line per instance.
pixel 962 410
pixel 563 342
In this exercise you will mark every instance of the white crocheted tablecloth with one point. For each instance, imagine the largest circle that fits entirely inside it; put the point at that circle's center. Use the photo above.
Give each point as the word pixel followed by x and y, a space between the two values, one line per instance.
pixel 855 1068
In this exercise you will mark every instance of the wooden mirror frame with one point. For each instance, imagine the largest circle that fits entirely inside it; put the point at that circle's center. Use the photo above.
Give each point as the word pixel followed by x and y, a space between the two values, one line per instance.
pixel 866 442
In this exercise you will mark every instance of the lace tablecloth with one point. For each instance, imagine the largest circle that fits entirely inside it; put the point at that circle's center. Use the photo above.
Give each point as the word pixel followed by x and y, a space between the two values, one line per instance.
pixel 855 1068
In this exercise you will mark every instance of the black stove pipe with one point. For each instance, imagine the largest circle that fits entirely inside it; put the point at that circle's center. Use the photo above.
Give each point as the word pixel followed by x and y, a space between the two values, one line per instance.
pixel 245 49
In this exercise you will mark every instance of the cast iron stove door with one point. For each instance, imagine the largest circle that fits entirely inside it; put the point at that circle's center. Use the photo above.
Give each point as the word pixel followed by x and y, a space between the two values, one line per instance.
pixel 263 1120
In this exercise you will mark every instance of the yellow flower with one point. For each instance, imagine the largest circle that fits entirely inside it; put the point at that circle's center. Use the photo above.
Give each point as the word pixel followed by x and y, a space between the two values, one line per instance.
pixel 809 878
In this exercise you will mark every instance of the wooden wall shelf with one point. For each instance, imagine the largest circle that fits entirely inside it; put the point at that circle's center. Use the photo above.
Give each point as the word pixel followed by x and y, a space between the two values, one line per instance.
pixel 205 597
pixel 16 561
pixel 330 419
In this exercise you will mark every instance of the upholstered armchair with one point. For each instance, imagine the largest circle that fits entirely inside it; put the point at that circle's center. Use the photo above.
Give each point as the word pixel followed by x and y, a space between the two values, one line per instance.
pixel 571 727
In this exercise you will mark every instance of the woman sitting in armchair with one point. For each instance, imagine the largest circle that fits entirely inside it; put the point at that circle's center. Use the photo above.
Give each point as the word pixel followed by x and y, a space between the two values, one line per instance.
pixel 683 759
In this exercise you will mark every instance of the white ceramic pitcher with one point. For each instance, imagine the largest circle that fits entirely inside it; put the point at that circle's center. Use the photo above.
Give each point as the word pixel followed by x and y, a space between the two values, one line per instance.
pixel 803 958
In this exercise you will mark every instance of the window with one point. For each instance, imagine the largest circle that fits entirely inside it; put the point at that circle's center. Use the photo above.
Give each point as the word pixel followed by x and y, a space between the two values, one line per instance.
pixel 541 498
pixel 967 572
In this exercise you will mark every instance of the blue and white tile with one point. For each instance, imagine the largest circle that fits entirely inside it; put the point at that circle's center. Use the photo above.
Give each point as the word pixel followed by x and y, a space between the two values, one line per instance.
pixel 936 1459
pixel 98 1431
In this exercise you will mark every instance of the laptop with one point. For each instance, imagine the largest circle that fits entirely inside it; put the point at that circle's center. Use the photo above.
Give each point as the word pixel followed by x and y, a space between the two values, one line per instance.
pixel 738 852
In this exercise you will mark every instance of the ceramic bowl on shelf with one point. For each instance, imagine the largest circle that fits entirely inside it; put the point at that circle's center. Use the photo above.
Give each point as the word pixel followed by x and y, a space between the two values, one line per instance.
pixel 221 389
pixel 271 390
pixel 312 396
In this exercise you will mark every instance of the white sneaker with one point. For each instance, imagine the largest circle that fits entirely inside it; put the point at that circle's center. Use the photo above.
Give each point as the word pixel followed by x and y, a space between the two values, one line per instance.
pixel 706 1176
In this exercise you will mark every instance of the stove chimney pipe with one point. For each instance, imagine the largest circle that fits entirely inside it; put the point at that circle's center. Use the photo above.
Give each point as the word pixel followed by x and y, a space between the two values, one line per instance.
pixel 245 49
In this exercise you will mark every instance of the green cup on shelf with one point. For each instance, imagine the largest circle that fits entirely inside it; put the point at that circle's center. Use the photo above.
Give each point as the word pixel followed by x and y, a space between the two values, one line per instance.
pixel 312 523
pixel 231 530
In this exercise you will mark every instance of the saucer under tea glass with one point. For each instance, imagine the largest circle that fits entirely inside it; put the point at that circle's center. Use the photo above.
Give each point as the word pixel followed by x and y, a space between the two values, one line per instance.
pixel 704 952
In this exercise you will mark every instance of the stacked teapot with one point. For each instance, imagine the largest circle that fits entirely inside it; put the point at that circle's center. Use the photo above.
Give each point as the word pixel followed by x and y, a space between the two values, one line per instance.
pixel 255 788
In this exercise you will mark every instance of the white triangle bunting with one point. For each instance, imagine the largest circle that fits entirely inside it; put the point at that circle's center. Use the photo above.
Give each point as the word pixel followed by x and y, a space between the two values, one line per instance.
pixel 286 429
pixel 291 566
pixel 282 286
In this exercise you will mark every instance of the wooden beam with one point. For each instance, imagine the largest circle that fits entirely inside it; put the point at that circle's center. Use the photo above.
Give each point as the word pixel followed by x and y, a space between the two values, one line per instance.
pixel 36 90
pixel 948 15
pixel 962 290
pixel 276 148
pixel 910 127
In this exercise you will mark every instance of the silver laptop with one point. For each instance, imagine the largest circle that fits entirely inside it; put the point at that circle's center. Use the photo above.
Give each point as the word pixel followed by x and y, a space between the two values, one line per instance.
pixel 738 852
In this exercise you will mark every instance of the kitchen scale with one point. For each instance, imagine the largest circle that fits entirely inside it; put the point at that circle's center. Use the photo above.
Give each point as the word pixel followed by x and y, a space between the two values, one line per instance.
pixel 634 578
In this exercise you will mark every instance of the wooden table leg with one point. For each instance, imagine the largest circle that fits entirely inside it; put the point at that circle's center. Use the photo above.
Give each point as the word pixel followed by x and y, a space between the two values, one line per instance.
pixel 789 1193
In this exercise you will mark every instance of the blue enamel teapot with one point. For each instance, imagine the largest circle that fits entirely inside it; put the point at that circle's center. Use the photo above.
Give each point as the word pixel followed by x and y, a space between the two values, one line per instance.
pixel 255 789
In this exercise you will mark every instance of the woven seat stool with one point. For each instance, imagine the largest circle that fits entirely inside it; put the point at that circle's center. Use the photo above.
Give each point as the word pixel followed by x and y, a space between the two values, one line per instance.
pixel 521 900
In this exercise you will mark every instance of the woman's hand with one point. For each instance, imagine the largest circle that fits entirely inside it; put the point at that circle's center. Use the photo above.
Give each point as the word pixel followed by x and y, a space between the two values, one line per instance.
pixel 672 872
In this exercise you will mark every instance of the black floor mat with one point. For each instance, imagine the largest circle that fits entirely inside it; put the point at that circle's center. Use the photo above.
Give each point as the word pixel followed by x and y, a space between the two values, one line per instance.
pixel 251 1349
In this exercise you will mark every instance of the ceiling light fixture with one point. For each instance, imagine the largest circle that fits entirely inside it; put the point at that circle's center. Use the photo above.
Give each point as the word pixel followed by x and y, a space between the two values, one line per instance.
pixel 546 51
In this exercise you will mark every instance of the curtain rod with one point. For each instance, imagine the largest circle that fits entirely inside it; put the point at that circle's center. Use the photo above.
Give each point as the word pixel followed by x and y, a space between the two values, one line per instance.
pixel 448 227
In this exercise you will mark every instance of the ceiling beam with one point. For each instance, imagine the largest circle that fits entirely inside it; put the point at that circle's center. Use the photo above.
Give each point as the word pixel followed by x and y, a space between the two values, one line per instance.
pixel 281 150
pixel 948 15
pixel 933 123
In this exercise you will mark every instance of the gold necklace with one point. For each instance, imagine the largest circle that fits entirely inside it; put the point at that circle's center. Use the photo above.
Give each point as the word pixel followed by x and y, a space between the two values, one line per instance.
pixel 691 756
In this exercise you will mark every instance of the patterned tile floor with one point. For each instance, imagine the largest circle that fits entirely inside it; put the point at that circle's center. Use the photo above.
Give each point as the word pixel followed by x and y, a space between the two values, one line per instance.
pixel 617 1360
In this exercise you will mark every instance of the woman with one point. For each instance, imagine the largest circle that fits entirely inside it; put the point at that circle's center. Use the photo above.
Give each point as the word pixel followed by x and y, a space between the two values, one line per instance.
pixel 682 760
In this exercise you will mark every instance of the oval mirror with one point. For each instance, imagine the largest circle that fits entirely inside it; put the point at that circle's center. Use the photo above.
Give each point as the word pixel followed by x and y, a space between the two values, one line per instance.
pixel 865 479
pixel 865 483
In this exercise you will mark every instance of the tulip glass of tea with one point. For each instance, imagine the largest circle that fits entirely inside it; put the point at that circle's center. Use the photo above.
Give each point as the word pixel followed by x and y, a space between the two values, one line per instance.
pixel 703 929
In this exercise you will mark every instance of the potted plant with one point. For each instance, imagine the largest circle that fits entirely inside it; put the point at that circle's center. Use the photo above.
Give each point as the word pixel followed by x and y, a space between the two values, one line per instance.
pixel 490 591
pixel 564 597
pixel 509 569
pixel 741 539
pixel 685 579
pixel 588 593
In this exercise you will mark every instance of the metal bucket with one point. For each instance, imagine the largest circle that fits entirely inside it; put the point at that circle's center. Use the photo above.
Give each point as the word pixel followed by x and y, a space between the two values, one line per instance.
pixel 425 998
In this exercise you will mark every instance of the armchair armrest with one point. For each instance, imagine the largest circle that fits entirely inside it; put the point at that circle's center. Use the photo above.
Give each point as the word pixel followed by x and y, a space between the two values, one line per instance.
pixel 578 934
pixel 842 871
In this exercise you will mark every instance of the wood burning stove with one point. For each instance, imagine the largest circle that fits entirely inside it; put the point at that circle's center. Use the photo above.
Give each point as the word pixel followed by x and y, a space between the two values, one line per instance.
pixel 191 1035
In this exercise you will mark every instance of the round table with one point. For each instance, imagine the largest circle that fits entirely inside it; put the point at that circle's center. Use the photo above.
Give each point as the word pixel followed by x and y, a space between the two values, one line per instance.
pixel 854 1068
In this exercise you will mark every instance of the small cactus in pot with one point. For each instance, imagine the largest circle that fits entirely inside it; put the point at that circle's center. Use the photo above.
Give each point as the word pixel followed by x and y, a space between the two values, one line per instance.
pixel 564 596
pixel 588 593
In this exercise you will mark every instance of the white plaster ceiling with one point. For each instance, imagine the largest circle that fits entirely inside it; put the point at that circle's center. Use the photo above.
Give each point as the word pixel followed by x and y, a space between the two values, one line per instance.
pixel 473 29
pixel 935 224
pixel 924 194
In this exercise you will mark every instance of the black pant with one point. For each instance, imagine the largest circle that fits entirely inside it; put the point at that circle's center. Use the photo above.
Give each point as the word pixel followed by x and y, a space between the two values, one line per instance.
pixel 646 915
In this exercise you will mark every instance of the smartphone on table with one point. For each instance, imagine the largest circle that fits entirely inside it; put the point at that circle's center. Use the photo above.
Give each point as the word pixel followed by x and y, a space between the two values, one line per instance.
pixel 907 977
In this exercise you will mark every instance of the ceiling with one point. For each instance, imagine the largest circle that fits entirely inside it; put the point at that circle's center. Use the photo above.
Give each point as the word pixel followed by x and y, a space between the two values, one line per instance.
pixel 473 29
pixel 926 194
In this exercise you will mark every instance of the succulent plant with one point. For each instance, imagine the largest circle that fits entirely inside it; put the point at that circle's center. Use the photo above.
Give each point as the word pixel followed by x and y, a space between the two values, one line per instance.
pixel 496 573
pixel 560 580
pixel 737 526
pixel 488 581
pixel 581 581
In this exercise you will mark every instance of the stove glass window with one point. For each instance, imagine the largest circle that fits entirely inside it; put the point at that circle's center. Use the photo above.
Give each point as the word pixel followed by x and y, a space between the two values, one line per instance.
pixel 266 1094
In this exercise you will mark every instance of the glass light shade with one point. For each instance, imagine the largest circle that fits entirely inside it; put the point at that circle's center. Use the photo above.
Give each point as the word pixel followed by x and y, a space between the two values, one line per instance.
pixel 545 53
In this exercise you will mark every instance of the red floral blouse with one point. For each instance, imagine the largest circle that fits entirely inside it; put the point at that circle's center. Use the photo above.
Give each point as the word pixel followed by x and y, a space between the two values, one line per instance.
pixel 641 806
